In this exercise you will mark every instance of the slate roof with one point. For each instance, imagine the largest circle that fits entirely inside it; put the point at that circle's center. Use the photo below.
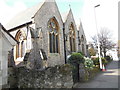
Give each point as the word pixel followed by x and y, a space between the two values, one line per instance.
pixel 23 17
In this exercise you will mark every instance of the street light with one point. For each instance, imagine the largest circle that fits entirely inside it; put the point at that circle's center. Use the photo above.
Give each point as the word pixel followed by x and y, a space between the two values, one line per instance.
pixel 98 38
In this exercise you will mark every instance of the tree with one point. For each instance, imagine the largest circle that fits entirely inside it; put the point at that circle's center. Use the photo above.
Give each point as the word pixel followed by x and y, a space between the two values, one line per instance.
pixel 92 52
pixel 91 49
pixel 105 41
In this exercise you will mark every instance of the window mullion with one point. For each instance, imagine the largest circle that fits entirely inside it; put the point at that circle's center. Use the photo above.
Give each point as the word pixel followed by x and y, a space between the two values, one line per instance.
pixel 53 36
pixel 51 42
pixel 72 45
pixel 55 45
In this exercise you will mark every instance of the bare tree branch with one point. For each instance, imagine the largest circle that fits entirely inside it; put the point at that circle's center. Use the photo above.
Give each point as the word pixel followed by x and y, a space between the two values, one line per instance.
pixel 105 40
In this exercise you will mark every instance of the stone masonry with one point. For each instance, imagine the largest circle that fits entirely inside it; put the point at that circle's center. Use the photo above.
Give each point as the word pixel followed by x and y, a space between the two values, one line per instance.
pixel 52 77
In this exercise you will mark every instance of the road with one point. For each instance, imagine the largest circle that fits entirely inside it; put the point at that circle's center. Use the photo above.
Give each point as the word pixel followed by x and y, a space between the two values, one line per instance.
pixel 105 79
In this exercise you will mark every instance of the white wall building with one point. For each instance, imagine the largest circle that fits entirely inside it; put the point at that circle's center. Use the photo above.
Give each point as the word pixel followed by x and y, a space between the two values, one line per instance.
pixel 6 44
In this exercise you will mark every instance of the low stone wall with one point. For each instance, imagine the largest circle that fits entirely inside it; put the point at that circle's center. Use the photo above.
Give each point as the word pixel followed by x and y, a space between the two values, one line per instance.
pixel 82 73
pixel 87 74
pixel 12 77
pixel 52 77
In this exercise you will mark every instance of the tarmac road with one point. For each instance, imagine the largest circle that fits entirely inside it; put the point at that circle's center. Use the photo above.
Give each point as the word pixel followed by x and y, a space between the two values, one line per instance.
pixel 105 79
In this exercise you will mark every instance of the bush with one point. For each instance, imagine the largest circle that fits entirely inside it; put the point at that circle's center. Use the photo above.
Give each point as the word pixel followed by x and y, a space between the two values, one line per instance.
pixel 89 63
pixel 108 58
pixel 81 53
pixel 76 58
pixel 92 52
pixel 96 61
pixel 104 61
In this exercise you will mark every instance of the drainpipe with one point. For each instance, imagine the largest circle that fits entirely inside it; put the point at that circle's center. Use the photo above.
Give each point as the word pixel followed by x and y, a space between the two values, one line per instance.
pixel 64 43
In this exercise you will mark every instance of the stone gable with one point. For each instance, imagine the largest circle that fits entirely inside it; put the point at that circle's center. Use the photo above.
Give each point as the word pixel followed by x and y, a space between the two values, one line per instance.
pixel 48 11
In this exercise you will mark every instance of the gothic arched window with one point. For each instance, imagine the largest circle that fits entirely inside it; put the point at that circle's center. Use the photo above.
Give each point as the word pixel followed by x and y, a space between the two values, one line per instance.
pixel 20 46
pixel 72 38
pixel 53 35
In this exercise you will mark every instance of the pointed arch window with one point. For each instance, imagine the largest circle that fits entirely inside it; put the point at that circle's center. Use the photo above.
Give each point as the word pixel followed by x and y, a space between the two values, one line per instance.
pixel 19 47
pixel 72 38
pixel 53 35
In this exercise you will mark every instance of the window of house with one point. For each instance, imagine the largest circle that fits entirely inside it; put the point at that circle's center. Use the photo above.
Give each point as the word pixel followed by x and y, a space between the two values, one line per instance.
pixel 72 38
pixel 53 35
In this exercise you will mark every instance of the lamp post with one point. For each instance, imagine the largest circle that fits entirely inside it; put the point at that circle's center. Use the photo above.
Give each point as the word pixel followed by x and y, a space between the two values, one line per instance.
pixel 100 61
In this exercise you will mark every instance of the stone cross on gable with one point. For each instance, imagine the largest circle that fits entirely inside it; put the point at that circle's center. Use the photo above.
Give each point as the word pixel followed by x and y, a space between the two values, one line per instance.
pixel 69 6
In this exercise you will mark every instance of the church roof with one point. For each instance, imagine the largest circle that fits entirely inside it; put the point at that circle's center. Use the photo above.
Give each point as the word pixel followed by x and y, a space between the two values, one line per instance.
pixel 64 16
pixel 23 17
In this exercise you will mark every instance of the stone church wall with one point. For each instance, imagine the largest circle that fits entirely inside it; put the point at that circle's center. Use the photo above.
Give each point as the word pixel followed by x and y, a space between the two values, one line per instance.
pixel 52 77
pixel 48 11
pixel 70 19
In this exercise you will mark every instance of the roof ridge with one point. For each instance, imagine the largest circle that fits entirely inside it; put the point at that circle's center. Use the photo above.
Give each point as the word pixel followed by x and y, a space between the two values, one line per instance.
pixel 64 15
pixel 28 13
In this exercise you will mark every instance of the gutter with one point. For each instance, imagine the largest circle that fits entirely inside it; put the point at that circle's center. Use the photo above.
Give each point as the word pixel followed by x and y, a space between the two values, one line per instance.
pixel 20 26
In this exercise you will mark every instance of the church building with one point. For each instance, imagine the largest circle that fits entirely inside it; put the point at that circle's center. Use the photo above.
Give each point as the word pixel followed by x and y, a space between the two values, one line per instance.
pixel 44 29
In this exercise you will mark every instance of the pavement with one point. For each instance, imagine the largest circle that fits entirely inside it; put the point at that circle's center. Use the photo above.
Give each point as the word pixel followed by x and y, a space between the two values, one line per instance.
pixel 104 79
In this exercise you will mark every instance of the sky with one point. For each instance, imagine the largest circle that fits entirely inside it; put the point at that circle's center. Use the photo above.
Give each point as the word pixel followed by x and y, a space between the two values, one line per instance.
pixel 106 16
pixel 83 10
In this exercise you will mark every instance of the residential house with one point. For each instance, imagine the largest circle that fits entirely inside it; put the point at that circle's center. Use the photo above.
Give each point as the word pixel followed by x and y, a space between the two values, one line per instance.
pixel 7 42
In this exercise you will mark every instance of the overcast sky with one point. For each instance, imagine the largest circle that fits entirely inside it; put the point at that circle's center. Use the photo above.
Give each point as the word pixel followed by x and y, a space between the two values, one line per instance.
pixel 106 13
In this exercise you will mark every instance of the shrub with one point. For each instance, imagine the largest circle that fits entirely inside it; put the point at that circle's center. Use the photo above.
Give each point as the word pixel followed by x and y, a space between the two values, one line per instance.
pixel 92 52
pixel 81 53
pixel 96 61
pixel 76 58
pixel 89 63
pixel 108 58
pixel 104 61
